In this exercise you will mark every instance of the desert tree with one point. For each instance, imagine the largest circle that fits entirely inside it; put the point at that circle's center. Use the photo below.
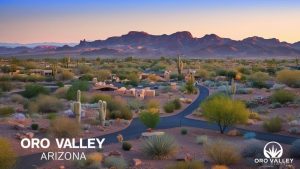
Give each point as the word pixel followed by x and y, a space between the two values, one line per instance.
pixel 224 111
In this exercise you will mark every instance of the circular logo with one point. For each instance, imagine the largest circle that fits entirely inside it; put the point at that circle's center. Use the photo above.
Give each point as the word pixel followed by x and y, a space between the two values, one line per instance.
pixel 273 150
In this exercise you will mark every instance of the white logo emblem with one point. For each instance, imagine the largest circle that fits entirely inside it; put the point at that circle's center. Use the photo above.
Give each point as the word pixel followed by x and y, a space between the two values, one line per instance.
pixel 273 150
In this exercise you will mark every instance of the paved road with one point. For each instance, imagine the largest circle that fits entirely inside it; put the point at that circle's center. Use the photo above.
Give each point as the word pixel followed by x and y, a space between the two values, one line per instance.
pixel 136 128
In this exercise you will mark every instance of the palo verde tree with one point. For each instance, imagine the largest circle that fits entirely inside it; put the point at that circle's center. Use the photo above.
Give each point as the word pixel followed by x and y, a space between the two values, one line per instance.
pixel 224 111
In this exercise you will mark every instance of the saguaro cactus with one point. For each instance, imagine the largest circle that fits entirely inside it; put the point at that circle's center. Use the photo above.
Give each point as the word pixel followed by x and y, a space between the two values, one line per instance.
pixel 233 88
pixel 102 111
pixel 78 96
pixel 77 107
pixel 179 65
pixel 77 111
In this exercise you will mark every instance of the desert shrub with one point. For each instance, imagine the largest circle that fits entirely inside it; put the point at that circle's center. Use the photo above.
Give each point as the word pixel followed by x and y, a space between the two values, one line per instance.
pixel 77 85
pixel 273 125
pixel 259 79
pixel 87 77
pixel 63 127
pixel 7 155
pixel 282 96
pixel 201 139
pixel 65 75
pixel 184 131
pixel 169 107
pixel 115 162
pixel 295 149
pixel 34 126
pixel 159 147
pixel 190 87
pixel 177 104
pixel 99 96
pixel 35 78
pixel 153 104
pixel 221 152
pixel 219 167
pixel 6 111
pixel 5 86
pixel 275 105
pixel 60 84
pixel 224 111
pixel 33 107
pixel 253 149
pixel 51 116
pixel 48 104
pixel 94 158
pixel 126 146
pixel 16 98
pixel 289 77
pixel 84 69
pixel 61 92
pixel 32 90
pixel 187 165
pixel 149 119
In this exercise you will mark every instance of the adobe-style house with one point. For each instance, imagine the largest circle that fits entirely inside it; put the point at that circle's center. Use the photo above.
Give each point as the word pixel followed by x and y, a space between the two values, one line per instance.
pixel 42 72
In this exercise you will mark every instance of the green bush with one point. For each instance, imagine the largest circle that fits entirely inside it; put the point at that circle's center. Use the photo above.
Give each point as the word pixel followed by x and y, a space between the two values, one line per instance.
pixel 273 125
pixel 221 152
pixel 77 85
pixel 149 119
pixel 7 155
pixel 63 127
pixel 126 146
pixel 295 149
pixel 282 96
pixel 184 131
pixel 32 90
pixel 169 107
pixel 115 162
pixel 60 84
pixel 177 104
pixel 34 126
pixel 159 147
pixel 224 111
pixel 187 165
pixel 6 111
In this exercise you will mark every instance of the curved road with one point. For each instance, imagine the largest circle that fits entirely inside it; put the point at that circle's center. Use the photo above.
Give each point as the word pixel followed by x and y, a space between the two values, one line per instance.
pixel 135 129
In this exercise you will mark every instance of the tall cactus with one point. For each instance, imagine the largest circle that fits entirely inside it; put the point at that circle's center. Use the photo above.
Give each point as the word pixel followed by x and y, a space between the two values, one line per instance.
pixel 233 88
pixel 78 98
pixel 54 69
pixel 102 111
pixel 77 111
pixel 179 65
pixel 77 107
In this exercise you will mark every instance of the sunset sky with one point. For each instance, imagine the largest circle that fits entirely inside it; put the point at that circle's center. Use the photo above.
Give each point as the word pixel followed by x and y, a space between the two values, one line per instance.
pixel 28 21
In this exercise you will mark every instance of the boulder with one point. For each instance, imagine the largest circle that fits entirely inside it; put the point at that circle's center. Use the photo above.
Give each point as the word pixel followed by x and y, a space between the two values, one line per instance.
pixel 250 122
pixel 114 153
pixel 61 167
pixel 184 157
pixel 29 135
pixel 136 162
pixel 150 134
pixel 234 132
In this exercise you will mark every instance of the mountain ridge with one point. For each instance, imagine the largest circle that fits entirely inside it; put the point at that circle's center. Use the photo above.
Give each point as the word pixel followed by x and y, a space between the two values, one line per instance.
pixel 143 44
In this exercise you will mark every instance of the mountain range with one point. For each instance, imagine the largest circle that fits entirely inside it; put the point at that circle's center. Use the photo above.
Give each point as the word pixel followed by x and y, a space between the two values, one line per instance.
pixel 142 44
